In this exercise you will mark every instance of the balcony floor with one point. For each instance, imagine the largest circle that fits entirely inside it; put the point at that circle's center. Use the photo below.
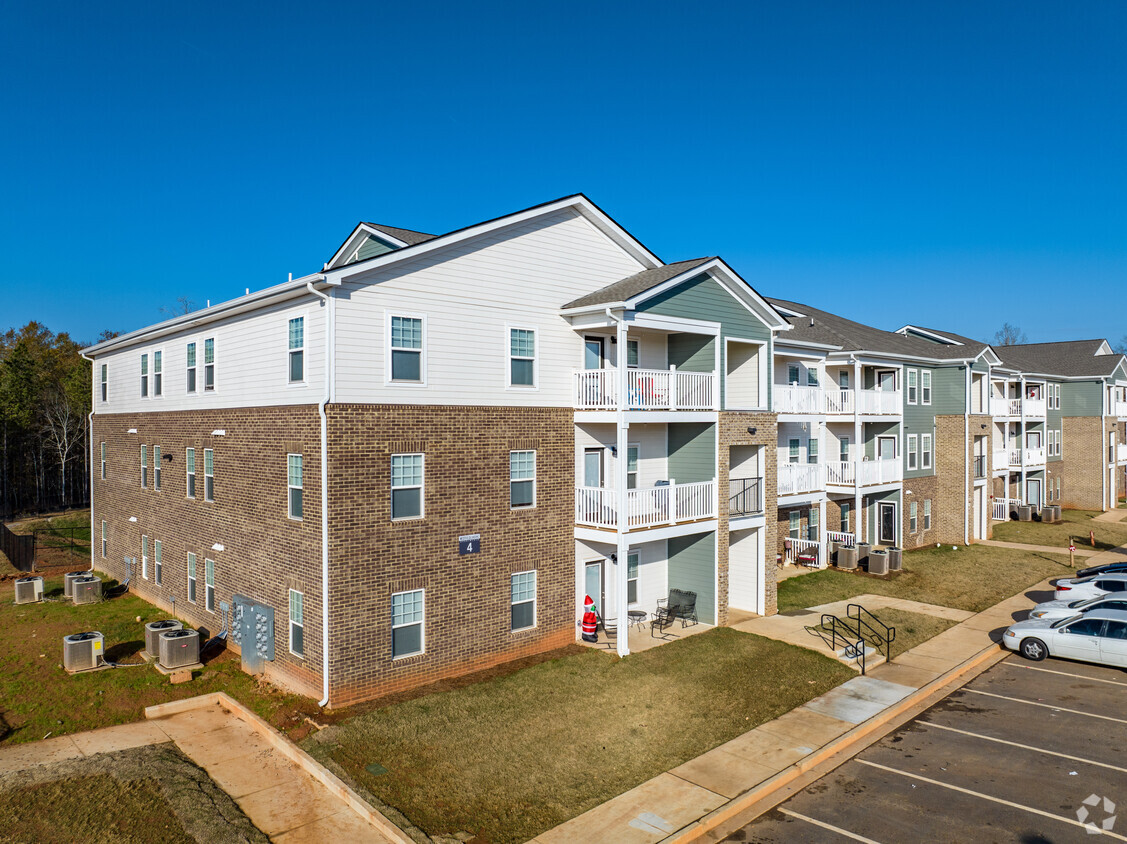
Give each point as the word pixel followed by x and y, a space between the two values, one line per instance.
pixel 639 638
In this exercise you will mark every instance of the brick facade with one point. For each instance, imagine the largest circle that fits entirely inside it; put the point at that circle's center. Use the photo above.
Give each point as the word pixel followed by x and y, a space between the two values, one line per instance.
pixel 953 505
pixel 1083 462
pixel 922 489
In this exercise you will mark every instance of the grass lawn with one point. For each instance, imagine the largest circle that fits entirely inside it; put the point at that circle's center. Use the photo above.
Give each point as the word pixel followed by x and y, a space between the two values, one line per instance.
pixel 1076 524
pixel 972 578
pixel 911 629
pixel 37 697
pixel 516 755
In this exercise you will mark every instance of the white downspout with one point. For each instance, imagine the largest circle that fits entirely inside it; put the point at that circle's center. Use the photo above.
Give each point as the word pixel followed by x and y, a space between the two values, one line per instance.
pixel 330 329
pixel 90 437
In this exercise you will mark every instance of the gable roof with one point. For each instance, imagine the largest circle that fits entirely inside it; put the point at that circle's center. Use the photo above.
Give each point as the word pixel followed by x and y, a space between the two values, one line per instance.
pixel 631 286
pixel 406 236
pixel 1071 359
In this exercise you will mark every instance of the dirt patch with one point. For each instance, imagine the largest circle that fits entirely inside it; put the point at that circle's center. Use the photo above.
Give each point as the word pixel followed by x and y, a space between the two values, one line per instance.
pixel 148 794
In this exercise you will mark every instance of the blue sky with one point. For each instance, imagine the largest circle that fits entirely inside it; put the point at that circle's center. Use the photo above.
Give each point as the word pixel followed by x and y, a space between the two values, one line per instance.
pixel 949 164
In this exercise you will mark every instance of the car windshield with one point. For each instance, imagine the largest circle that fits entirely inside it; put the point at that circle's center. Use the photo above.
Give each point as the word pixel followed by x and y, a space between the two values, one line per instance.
pixel 1087 602
pixel 1061 621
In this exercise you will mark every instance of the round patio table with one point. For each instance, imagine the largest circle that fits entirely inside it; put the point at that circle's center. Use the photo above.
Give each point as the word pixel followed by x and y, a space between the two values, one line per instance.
pixel 636 616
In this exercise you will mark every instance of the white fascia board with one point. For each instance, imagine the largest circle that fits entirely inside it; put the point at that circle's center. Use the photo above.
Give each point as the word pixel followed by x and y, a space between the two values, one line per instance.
pixel 351 244
pixel 580 203
pixel 803 347
pixel 869 356
pixel 243 304
pixel 1104 349
pixel 727 278
pixel 923 332
pixel 669 323
pixel 592 309
pixel 991 357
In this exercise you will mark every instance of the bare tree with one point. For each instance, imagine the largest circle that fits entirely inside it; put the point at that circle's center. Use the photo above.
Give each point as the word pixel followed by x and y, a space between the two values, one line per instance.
pixel 1009 335
pixel 65 429
pixel 1121 347
pixel 183 305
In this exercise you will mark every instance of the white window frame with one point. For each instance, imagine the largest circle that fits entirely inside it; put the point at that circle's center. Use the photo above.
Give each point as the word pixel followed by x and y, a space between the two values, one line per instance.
pixel 794 525
pixel 421 487
pixel 925 451
pixel 913 517
pixel 422 622
pixel 144 556
pixel 510 357
pixel 843 449
pixel 209 489
pixel 846 512
pixel 913 452
pixel 794 367
pixel 209 585
pixel 105 382
pixel 191 367
pixel 192 562
pixel 637 347
pixel 144 375
pixel 513 480
pixel 189 472
pixel 157 562
pixel 158 373
pixel 911 393
pixel 105 542
pixel 812 377
pixel 813 525
pixel 295 350
pixel 290 486
pixel 637 564
pixel 103 453
pixel 209 368
pixel 299 622
pixel 794 450
pixel 925 387
pixel 512 603
pixel 144 466
pixel 812 454
pixel 388 349
pixel 927 514
pixel 156 468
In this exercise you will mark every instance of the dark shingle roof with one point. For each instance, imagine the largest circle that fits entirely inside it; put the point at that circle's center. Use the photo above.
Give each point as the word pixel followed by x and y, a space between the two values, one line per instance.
pixel 1072 359
pixel 406 235
pixel 631 286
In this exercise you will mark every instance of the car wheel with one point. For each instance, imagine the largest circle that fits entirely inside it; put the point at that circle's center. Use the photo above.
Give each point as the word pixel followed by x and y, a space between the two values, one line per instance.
pixel 1034 649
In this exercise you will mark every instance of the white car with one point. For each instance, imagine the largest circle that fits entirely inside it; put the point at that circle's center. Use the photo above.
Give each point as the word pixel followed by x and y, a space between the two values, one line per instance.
pixel 1097 636
pixel 1078 588
pixel 1066 609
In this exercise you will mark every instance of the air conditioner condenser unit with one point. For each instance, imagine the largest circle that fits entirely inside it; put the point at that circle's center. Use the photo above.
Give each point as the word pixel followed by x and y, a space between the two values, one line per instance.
pixel 83 651
pixel 87 590
pixel 179 649
pixel 68 582
pixel 29 590
pixel 152 634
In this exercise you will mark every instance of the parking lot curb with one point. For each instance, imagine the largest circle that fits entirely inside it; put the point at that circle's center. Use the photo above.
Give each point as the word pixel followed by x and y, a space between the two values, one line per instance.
pixel 736 812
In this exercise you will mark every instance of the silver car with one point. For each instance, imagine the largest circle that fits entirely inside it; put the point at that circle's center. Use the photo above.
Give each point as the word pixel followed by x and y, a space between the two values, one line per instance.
pixel 1096 636
pixel 1066 609
pixel 1077 588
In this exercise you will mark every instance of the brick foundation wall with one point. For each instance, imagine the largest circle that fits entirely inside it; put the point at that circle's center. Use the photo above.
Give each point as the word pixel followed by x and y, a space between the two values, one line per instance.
pixel 466 491
pixel 733 431
pixel 264 554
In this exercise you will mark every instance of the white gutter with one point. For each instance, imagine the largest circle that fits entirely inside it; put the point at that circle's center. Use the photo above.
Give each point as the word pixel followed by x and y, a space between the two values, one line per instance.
pixel 90 437
pixel 330 330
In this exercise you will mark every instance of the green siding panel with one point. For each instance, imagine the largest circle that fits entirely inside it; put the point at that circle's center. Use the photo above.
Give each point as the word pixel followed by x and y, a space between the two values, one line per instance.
pixel 692 352
pixel 1082 398
pixel 692 452
pixel 371 248
pixel 873 510
pixel 949 391
pixel 692 566
pixel 871 430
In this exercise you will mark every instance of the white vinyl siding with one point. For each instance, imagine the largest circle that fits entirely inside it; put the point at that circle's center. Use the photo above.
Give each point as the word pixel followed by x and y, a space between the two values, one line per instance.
pixel 294 473
pixel 297 623
pixel 408 620
pixel 523 600
pixel 522 479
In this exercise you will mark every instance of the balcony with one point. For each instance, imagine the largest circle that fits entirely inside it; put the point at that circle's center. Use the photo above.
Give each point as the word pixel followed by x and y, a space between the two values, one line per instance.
pixel 980 466
pixel 646 389
pixel 854 473
pixel 1001 459
pixel 1034 456
pixel 1119 409
pixel 801 477
pixel 881 402
pixel 745 496
pixel 645 508
pixel 792 398
pixel 1034 408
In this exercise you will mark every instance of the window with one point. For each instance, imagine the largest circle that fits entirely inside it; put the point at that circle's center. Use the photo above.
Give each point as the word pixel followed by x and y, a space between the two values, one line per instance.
pixel 158 373
pixel 209 364
pixel 631 467
pixel 913 377
pixel 406 486
pixel 208 474
pixel 843 449
pixel 293 482
pixel 191 577
pixel 190 356
pixel 845 512
pixel 792 373
pixel 145 557
pixel 190 467
pixel 144 376
pixel 925 451
pixel 794 445
pixel 523 614
pixel 811 451
pixel 843 379
pixel 1058 489
pixel 209 585
pixel 103 461
pixel 407 611
pixel 105 382
pixel 297 350
pixel 406 349
pixel 144 466
pixel 1086 627
pixel 632 354
pixel 156 468
pixel 811 377
pixel 632 577
pixel 297 623
pixel 812 524
pixel 522 479
pixel 925 386
pixel 522 357
pixel 913 520
pixel 794 524
pixel 927 514
pixel 156 561
pixel 912 451
pixel 104 542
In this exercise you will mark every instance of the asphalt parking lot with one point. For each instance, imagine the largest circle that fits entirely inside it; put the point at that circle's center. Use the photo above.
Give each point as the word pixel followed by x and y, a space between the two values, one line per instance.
pixel 1012 756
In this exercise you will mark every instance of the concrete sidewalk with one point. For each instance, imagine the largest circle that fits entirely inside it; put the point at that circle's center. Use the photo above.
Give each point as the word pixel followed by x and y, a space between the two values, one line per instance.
pixel 1116 515
pixel 688 801
pixel 1045 549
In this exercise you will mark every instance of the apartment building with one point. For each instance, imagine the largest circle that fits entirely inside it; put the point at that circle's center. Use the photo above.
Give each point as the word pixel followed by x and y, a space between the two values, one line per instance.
pixel 416 462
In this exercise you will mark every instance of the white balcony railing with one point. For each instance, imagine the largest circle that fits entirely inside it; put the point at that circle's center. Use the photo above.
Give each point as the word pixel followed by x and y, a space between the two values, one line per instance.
pixel 659 505
pixel 792 398
pixel 1003 507
pixel 794 548
pixel 883 402
pixel 1001 459
pixel 841 473
pixel 801 477
pixel 879 472
pixel 1012 407
pixel 840 401
pixel 646 389
pixel 1035 456
pixel 1121 453
pixel 1034 407
pixel 841 537
pixel 1119 408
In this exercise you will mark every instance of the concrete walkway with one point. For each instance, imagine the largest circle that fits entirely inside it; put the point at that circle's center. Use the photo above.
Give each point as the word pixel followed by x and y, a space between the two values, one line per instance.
pixel 690 800
pixel 1116 515
pixel 1044 549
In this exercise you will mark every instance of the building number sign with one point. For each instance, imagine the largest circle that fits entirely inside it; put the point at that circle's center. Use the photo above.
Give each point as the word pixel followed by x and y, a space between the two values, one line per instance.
pixel 469 544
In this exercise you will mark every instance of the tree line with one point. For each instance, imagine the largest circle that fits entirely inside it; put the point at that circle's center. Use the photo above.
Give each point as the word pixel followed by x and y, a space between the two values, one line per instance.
pixel 45 395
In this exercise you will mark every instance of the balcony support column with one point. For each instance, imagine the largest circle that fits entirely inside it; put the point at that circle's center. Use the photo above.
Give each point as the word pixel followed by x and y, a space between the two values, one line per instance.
pixel 621 464
pixel 857 445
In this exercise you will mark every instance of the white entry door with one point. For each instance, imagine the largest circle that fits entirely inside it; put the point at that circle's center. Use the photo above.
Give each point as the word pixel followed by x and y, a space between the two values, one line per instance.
pixel 1033 492
pixel 745 570
pixel 886 448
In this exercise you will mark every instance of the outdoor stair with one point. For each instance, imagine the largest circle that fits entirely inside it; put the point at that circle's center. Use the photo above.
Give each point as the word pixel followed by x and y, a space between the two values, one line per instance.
pixel 866 627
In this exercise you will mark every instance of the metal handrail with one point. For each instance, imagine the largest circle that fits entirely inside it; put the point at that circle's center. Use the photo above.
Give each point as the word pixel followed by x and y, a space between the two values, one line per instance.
pixel 853 648
pixel 889 632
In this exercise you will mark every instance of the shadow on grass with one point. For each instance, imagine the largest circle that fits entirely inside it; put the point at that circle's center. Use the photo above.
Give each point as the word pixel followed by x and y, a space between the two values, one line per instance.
pixel 123 650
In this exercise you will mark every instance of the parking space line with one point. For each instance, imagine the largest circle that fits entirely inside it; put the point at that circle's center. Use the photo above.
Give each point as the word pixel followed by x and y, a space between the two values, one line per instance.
pixel 1062 673
pixel 1047 706
pixel 844 832
pixel 1026 747
pixel 988 797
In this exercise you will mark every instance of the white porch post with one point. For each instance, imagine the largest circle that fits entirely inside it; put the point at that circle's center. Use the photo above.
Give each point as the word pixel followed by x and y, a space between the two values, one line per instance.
pixel 1021 494
pixel 620 466
pixel 857 447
